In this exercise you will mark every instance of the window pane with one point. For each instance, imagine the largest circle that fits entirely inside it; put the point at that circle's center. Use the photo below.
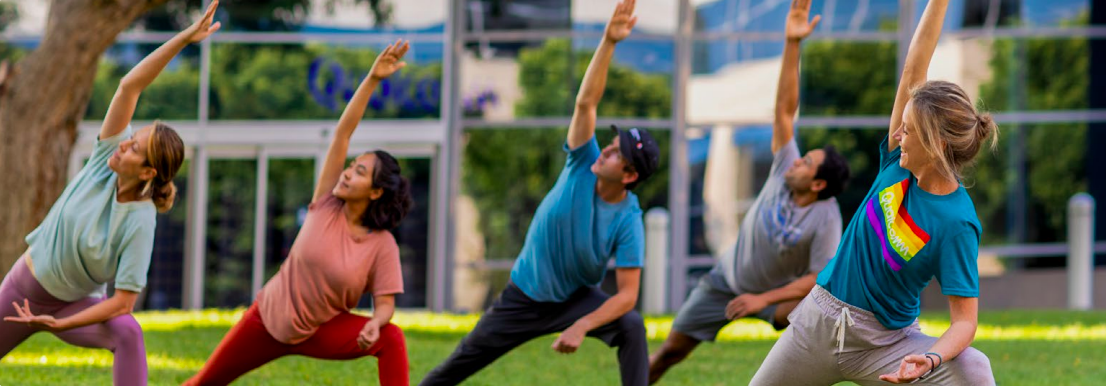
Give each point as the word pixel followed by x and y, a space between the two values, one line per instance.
pixel 1014 13
pixel 165 283
pixel 174 95
pixel 497 15
pixel 230 233
pixel 413 234
pixel 291 185
pixel 1032 74
pixel 840 78
pixel 315 81
pixel 729 81
pixel 769 16
pixel 525 79
pixel 654 16
pixel 735 80
pixel 1021 191
pixel 504 81
pixel 639 81
pixel 385 16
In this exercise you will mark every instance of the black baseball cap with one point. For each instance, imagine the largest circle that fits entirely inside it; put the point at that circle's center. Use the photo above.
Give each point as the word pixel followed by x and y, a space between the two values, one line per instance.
pixel 638 148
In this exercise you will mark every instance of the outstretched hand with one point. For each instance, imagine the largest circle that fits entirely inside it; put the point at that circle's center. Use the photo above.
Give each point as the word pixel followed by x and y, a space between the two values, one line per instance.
pixel 912 367
pixel 798 27
pixel 622 22
pixel 42 322
pixel 390 60
pixel 203 28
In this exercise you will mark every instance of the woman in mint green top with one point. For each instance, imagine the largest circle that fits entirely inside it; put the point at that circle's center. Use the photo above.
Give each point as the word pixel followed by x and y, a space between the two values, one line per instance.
pixel 101 229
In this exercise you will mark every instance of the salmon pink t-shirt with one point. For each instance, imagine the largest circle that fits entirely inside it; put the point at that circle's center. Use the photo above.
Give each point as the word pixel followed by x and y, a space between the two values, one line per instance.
pixel 327 271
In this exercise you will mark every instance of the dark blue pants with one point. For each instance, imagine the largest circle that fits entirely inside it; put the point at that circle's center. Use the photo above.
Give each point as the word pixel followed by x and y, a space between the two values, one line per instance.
pixel 515 319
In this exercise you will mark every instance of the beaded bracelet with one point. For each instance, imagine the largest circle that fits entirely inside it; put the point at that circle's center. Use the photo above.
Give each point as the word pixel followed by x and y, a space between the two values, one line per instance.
pixel 940 359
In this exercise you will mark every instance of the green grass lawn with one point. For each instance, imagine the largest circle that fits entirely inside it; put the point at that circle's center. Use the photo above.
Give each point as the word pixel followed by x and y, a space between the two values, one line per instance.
pixel 1026 348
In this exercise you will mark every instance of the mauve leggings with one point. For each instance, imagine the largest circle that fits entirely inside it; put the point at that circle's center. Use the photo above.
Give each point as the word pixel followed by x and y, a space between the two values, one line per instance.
pixel 121 335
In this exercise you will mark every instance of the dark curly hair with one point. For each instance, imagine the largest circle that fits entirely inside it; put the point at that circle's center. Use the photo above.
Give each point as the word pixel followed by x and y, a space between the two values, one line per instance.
pixel 385 212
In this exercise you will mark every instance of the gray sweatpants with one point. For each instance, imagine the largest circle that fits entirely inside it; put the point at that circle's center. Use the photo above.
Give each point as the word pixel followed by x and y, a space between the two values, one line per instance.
pixel 811 351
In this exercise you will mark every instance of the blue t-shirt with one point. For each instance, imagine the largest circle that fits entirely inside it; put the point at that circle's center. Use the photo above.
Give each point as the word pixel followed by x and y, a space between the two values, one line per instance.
pixel 900 238
pixel 572 236
pixel 89 238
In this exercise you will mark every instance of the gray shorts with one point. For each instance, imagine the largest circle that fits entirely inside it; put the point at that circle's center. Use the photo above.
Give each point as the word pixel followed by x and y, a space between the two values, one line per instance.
pixel 861 354
pixel 704 312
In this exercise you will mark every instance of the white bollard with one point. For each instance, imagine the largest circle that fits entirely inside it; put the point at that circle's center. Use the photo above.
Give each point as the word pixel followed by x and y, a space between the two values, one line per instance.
pixel 656 261
pixel 1080 251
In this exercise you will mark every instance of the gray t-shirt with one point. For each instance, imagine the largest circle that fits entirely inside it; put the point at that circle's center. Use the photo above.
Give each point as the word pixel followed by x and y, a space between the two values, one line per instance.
pixel 780 241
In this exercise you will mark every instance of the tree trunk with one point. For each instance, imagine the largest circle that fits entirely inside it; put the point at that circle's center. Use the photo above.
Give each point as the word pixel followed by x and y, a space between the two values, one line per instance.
pixel 44 99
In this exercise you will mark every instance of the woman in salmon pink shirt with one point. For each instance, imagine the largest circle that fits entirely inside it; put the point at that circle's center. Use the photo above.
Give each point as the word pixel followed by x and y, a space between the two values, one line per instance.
pixel 343 251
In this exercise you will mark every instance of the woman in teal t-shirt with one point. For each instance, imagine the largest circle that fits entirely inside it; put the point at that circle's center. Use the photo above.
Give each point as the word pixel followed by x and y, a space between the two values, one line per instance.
pixel 101 229
pixel 916 223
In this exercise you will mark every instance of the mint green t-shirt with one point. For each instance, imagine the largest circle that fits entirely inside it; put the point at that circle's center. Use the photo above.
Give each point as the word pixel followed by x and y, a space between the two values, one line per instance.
pixel 89 238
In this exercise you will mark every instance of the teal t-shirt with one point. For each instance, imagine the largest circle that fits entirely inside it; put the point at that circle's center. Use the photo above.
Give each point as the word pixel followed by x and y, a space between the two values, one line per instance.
pixel 900 238
pixel 574 234
pixel 89 238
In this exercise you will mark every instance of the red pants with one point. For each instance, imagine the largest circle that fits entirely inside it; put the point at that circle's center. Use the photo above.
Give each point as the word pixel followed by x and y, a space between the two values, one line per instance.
pixel 248 346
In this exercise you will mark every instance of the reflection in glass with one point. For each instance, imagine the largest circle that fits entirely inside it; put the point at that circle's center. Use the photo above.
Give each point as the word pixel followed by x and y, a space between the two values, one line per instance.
pixel 506 81
pixel 315 81
pixel 496 15
pixel 769 15
pixel 314 16
pixel 1032 74
pixel 164 284
pixel 230 216
pixel 654 17
pixel 174 95
pixel 291 185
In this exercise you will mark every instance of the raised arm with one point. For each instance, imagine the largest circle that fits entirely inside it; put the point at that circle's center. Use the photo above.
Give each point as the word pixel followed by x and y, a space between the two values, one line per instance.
pixel 126 96
pixel 582 127
pixel 787 93
pixel 387 63
pixel 917 62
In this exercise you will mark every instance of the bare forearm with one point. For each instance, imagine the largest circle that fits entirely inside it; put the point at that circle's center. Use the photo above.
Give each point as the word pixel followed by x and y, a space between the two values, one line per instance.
pixel 609 311
pixel 99 313
pixel 957 338
pixel 787 95
pixel 148 69
pixel 918 56
pixel 355 110
pixel 924 42
pixel 383 311
pixel 582 127
pixel 595 79
pixel 792 291
pixel 339 145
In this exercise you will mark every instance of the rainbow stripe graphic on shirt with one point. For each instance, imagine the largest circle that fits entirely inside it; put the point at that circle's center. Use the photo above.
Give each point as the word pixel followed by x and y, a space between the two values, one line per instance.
pixel 899 236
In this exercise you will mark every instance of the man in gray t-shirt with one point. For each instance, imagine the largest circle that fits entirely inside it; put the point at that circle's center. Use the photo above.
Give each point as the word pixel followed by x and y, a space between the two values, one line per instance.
pixel 787 237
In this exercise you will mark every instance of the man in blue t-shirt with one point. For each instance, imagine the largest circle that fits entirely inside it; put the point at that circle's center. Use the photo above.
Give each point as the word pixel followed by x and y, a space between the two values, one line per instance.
pixel 588 217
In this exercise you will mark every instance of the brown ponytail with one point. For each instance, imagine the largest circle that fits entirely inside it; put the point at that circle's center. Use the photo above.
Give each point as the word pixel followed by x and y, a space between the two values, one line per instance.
pixel 164 153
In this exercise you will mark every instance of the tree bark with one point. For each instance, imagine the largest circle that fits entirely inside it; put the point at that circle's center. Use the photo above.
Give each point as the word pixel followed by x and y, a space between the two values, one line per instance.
pixel 43 101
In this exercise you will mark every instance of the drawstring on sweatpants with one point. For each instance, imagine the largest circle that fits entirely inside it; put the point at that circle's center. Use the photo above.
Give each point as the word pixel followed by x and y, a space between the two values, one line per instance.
pixel 839 327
